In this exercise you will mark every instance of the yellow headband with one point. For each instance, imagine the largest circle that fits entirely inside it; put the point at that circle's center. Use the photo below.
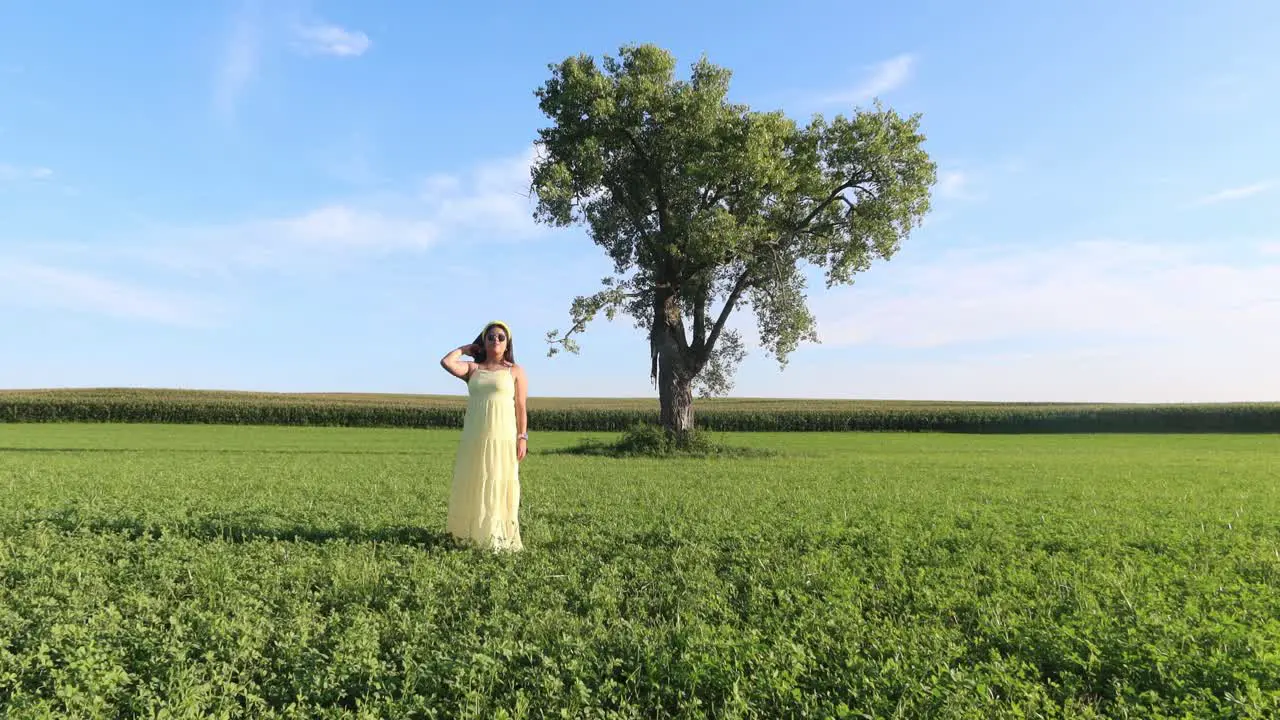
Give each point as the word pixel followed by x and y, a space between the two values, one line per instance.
pixel 501 324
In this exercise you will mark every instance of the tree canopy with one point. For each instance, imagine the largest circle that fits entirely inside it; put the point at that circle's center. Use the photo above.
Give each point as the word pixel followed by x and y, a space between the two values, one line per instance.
pixel 706 206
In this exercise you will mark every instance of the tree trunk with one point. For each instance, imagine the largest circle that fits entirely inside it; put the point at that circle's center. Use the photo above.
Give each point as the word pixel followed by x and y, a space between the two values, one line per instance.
pixel 675 394
pixel 675 382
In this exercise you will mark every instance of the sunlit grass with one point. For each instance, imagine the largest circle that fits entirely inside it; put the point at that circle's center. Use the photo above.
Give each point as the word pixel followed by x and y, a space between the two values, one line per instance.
pixel 302 572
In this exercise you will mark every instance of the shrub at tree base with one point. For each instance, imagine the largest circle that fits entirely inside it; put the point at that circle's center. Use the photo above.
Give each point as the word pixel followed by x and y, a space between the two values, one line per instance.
pixel 649 440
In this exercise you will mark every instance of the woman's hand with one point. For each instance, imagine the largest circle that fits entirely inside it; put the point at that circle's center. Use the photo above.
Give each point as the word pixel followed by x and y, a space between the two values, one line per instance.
pixel 522 449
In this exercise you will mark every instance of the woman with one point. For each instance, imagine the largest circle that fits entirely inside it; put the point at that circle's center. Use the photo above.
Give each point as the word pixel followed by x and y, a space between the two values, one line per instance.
pixel 484 501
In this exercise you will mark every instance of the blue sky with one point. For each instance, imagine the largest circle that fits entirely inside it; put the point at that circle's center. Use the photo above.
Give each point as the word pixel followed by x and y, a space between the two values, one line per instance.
pixel 326 196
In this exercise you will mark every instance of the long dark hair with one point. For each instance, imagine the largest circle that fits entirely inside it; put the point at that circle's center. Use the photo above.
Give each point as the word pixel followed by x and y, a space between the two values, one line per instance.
pixel 482 353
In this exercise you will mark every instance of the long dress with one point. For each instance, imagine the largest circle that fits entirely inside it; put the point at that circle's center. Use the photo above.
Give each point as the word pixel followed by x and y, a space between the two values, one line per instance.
pixel 484 501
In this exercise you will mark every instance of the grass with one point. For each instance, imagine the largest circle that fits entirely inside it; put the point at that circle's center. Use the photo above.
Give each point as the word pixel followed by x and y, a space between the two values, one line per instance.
pixel 205 571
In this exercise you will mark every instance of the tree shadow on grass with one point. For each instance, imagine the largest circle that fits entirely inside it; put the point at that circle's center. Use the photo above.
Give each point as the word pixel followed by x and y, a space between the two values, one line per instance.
pixel 652 441
pixel 622 450
pixel 250 527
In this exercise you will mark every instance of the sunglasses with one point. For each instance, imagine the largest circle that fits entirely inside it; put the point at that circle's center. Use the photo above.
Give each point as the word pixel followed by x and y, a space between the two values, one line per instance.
pixel 497 337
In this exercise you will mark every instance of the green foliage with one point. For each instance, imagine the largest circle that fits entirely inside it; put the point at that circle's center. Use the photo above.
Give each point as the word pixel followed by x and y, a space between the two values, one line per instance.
pixel 655 441
pixel 699 200
pixel 302 572
pixel 615 415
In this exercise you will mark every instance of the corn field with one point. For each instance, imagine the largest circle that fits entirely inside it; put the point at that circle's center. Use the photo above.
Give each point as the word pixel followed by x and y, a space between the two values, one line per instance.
pixel 571 414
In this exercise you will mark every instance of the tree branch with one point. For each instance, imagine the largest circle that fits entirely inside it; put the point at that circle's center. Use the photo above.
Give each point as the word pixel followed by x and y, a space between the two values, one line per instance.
pixel 635 144
pixel 660 196
pixel 585 310
pixel 704 199
pixel 837 193
pixel 637 217
pixel 738 288
pixel 564 341
pixel 711 195
pixel 699 323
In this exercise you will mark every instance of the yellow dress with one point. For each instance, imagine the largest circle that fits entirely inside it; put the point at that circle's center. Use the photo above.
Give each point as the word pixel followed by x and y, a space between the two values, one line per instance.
pixel 484 501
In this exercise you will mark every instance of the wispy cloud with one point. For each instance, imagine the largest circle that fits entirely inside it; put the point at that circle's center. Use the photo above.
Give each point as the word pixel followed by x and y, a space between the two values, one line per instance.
pixel 12 173
pixel 240 57
pixel 1083 292
pixel 337 229
pixel 487 204
pixel 1161 372
pixel 39 285
pixel 493 198
pixel 976 180
pixel 319 38
pixel 184 275
pixel 881 78
pixel 954 184
pixel 1230 86
pixel 1235 193
pixel 259 25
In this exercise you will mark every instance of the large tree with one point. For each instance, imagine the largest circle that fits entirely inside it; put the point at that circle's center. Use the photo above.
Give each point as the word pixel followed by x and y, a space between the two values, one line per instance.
pixel 706 206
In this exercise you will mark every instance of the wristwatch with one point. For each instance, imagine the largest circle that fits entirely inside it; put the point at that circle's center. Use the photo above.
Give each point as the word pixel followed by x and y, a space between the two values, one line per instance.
pixel 523 436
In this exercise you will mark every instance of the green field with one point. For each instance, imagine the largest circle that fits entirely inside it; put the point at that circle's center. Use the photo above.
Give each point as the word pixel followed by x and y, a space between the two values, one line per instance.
pixel 207 571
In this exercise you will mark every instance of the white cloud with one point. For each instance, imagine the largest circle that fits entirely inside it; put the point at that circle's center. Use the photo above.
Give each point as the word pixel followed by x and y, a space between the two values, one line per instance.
pixel 881 78
pixel 240 58
pixel 976 180
pixel 341 227
pixel 439 185
pixel 33 284
pixel 1139 373
pixel 1231 86
pixel 258 25
pixel 495 199
pixel 954 184
pixel 1087 321
pixel 1236 193
pixel 329 39
pixel 488 204
pixel 13 173
pixel 326 237
pixel 1081 293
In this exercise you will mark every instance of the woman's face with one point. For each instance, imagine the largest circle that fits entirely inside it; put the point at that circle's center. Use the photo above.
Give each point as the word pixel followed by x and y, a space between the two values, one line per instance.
pixel 495 341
